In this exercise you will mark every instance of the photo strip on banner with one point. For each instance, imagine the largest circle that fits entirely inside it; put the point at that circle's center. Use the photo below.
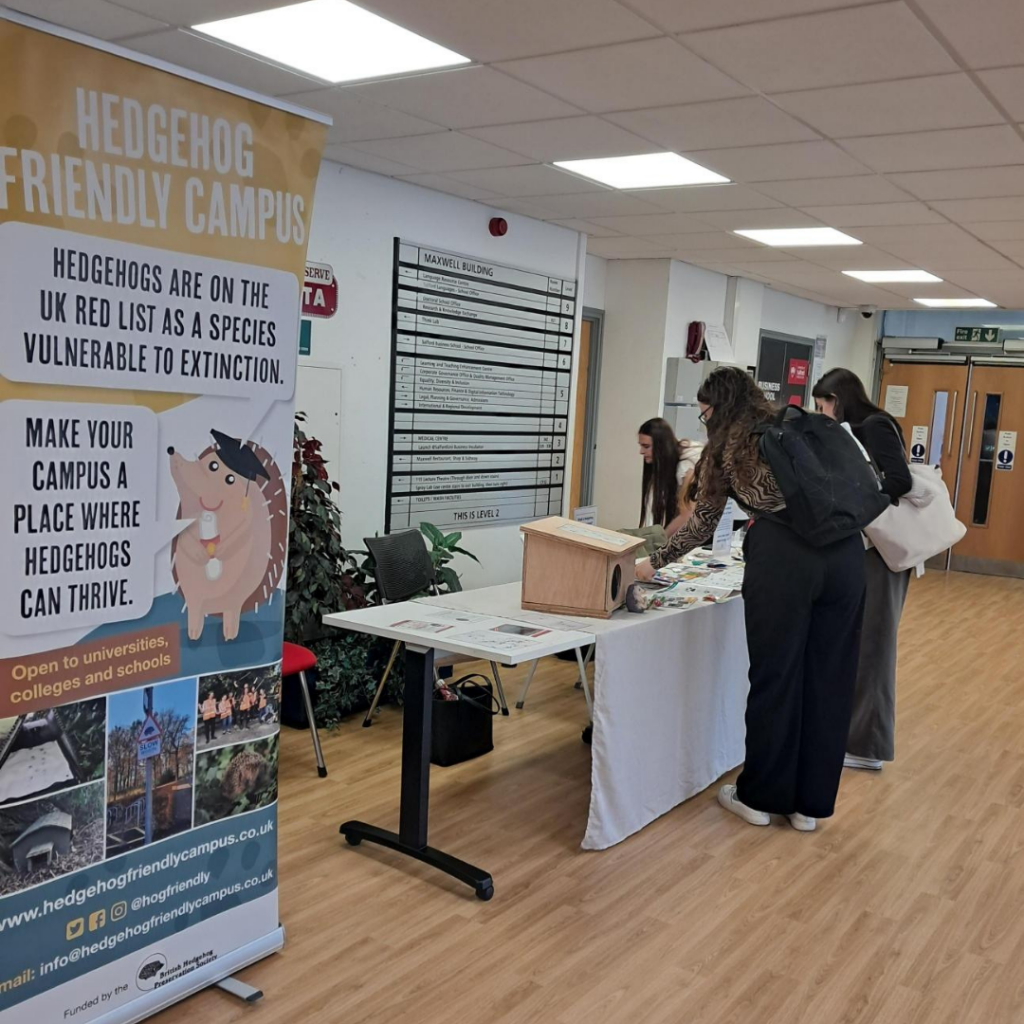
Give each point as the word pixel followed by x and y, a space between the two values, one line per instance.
pixel 153 236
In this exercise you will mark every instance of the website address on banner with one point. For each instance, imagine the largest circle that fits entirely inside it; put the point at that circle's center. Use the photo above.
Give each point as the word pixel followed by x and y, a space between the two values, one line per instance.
pixel 143 928
pixel 77 897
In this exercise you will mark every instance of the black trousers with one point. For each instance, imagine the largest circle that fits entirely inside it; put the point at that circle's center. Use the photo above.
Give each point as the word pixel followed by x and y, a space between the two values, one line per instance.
pixel 804 607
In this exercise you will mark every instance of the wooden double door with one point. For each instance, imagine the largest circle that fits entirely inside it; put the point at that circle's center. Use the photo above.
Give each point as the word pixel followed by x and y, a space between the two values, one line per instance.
pixel 965 418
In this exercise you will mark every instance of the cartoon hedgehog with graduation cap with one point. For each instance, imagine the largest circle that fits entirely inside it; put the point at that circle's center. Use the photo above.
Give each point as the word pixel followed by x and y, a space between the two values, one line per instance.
pixel 230 559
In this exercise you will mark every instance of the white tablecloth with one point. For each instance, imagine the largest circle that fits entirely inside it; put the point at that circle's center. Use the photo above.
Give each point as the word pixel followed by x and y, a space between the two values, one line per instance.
pixel 670 693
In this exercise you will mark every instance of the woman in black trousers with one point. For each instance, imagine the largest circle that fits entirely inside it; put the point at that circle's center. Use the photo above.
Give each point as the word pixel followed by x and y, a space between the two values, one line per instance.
pixel 841 395
pixel 803 608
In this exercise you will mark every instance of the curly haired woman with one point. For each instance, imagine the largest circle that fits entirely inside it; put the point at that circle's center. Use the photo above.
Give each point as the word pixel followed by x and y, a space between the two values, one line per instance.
pixel 803 609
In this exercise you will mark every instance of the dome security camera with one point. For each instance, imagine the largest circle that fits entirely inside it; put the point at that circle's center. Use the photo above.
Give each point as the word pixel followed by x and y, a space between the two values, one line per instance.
pixel 868 311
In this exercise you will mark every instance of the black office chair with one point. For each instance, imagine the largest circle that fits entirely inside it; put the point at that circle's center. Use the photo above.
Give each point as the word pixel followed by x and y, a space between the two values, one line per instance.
pixel 404 571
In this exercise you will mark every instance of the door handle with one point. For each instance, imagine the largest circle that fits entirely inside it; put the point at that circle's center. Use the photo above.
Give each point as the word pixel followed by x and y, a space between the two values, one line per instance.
pixel 952 420
pixel 974 409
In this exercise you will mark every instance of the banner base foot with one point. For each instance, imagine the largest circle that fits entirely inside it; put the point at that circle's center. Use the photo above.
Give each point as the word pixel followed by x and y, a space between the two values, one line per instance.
pixel 240 990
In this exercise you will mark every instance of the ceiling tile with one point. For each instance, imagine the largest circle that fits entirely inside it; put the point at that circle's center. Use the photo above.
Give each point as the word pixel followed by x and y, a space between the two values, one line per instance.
pixel 464 98
pixel 1003 286
pixel 760 254
pixel 1007 85
pixel 586 227
pixel 195 12
pixel 982 211
pixel 863 188
pixel 522 207
pixel 1012 247
pixel 775 163
pixel 358 121
pixel 94 17
pixel 842 257
pixel 880 108
pixel 925 151
pixel 706 197
pixel 935 247
pixel 625 248
pixel 977 183
pixel 651 73
pixel 782 217
pixel 343 154
pixel 220 62
pixel 654 224
pixel 441 183
pixel 692 15
pixel 860 44
pixel 565 138
pixel 998 229
pixel 442 151
pixel 986 33
pixel 847 216
pixel 530 180
pixel 595 204
pixel 492 30
pixel 747 121
pixel 714 240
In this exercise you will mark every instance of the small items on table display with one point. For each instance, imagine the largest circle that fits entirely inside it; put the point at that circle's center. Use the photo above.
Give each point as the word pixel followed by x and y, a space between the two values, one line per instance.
pixel 699 578
pixel 575 569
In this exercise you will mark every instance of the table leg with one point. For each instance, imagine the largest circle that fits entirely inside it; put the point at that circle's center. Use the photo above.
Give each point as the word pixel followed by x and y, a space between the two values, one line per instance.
pixel 411 838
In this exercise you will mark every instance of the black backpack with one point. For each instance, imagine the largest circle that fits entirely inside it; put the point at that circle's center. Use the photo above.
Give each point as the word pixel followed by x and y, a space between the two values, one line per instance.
pixel 832 491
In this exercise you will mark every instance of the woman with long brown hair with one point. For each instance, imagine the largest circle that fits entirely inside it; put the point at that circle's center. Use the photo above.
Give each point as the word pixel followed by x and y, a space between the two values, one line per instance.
pixel 840 395
pixel 803 609
pixel 668 472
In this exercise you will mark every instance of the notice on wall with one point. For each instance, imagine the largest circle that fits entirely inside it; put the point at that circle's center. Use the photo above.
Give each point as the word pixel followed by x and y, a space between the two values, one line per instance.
pixel 152 251
pixel 918 444
pixel 1006 449
pixel 896 396
pixel 482 373
pixel 818 362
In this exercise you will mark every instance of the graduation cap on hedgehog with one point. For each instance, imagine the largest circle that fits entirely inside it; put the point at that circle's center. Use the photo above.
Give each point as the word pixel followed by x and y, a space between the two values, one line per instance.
pixel 239 458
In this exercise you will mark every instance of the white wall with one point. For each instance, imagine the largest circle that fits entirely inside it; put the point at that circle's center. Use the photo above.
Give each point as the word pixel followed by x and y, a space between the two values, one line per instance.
pixel 595 282
pixel 356 218
pixel 649 305
pixel 632 358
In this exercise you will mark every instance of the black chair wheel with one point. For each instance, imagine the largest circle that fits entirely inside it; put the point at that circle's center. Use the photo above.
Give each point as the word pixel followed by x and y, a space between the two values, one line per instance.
pixel 353 840
pixel 588 735
pixel 485 894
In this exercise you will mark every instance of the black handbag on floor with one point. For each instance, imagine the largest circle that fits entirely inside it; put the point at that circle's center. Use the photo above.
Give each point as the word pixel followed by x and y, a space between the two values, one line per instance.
pixel 464 728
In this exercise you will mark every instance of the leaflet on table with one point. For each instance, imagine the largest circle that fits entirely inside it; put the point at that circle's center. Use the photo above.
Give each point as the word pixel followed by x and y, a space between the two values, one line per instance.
pixel 489 632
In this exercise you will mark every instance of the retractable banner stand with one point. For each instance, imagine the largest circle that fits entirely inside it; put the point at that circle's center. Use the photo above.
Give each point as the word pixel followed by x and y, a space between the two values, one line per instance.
pixel 152 253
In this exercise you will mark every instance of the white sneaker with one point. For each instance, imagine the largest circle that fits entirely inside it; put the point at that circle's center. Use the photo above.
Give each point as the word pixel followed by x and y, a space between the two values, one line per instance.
pixel 802 823
pixel 727 798
pixel 864 763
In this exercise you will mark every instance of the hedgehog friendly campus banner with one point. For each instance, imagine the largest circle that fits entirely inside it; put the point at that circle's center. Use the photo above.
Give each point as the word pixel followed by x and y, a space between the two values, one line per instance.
pixel 152 252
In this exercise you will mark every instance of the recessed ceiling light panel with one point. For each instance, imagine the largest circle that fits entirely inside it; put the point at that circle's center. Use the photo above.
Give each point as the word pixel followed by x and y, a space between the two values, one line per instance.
pixel 957 303
pixel 649 170
pixel 894 276
pixel 332 39
pixel 789 238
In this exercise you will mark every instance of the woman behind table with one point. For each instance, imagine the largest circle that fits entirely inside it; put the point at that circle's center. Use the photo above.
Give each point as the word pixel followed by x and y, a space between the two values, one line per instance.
pixel 840 394
pixel 668 472
pixel 802 605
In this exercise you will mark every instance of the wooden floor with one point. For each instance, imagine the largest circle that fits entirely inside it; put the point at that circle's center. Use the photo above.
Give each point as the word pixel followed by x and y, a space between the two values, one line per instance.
pixel 907 907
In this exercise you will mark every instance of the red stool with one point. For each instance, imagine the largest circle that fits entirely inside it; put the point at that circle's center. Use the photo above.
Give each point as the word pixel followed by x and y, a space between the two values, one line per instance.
pixel 296 661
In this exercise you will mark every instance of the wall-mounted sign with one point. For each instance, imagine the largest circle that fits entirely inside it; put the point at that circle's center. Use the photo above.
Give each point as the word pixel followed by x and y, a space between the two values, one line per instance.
pixel 482 370
pixel 918 444
pixel 716 340
pixel 896 396
pixel 305 337
pixel 319 291
pixel 1006 450
pixel 987 334
pixel 798 370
